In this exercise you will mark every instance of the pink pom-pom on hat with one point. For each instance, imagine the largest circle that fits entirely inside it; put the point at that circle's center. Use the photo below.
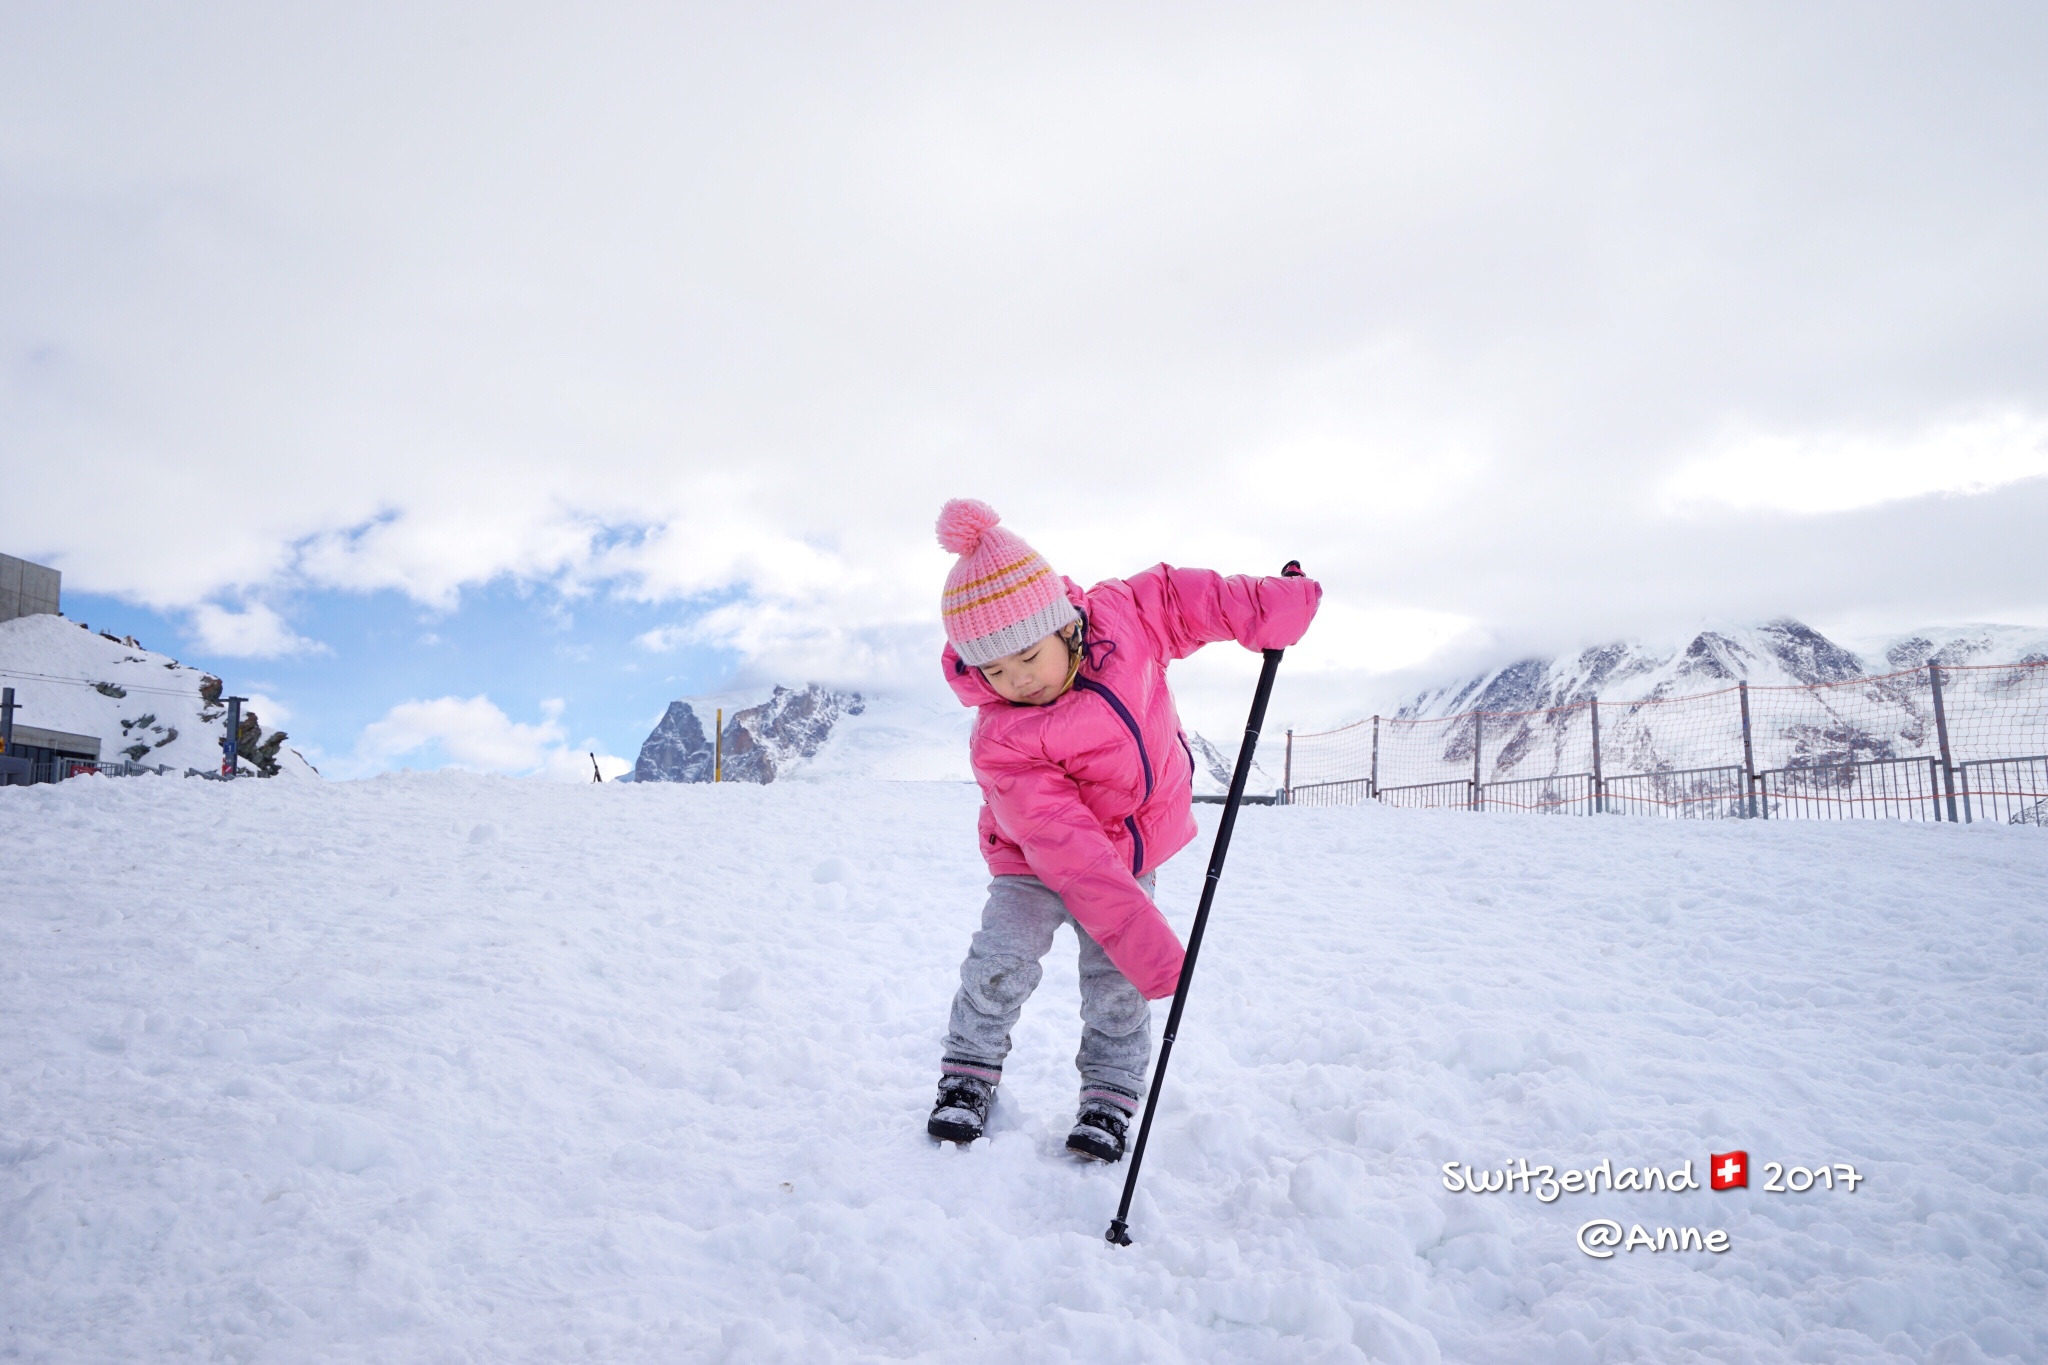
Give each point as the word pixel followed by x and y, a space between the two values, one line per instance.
pixel 962 523
pixel 1001 595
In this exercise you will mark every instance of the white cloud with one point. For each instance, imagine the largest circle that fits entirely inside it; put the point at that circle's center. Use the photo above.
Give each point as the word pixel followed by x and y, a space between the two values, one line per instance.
pixel 1447 304
pixel 664 639
pixel 267 709
pixel 255 632
pixel 471 731
pixel 573 765
pixel 474 733
pixel 1835 471
pixel 1376 639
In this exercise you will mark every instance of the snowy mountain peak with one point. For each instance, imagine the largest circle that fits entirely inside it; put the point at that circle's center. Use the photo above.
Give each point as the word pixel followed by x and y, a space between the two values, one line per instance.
pixel 1968 645
pixel 759 741
pixel 1798 713
pixel 677 750
pixel 1777 653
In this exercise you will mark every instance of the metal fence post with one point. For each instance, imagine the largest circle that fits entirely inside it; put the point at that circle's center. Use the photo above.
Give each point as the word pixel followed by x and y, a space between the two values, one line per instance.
pixel 230 754
pixel 1373 782
pixel 1287 773
pixel 1478 733
pixel 1599 786
pixel 1749 755
pixel 1948 767
pixel 6 719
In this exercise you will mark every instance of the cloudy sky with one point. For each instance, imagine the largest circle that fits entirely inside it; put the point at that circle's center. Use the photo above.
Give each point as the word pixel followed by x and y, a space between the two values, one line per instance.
pixel 472 379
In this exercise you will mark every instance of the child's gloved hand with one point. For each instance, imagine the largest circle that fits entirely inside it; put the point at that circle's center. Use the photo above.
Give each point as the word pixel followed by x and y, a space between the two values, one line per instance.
pixel 1292 569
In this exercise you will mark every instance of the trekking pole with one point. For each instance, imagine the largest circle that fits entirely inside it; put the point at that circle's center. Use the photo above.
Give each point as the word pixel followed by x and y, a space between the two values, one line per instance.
pixel 1119 1230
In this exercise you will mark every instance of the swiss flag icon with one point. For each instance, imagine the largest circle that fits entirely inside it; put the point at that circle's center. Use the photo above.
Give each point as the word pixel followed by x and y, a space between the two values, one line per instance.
pixel 1728 1170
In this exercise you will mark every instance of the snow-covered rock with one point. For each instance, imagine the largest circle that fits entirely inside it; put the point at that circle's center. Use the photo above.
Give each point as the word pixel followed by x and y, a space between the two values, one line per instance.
pixel 143 706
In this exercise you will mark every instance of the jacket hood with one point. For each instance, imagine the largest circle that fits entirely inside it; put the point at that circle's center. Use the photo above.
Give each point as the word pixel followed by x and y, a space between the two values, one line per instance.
pixel 967 681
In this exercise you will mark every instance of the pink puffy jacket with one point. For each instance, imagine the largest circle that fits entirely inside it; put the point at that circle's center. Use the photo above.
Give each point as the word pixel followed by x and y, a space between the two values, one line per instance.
pixel 1094 789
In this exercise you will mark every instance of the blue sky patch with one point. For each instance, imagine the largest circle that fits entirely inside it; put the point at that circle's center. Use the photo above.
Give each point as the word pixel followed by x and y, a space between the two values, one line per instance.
pixel 520 645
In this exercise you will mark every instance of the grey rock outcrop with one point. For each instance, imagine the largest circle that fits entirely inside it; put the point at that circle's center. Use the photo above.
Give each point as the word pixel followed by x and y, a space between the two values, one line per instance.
pixel 677 750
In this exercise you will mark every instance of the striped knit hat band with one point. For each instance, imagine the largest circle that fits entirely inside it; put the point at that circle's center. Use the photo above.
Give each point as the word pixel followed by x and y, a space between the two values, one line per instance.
pixel 1001 595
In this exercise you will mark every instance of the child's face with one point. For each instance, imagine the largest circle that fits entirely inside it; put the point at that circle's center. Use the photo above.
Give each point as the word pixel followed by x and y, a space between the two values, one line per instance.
pixel 1033 675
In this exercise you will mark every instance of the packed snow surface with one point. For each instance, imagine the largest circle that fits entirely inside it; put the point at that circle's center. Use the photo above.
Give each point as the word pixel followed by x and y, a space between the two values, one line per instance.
pixel 450 1068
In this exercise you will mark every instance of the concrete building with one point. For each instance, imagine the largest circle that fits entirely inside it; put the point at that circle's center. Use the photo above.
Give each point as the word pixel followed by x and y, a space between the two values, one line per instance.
pixel 36 755
pixel 28 754
pixel 27 589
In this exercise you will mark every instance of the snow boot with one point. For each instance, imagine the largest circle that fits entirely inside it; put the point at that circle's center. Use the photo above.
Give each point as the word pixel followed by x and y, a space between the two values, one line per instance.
pixel 962 1110
pixel 1099 1133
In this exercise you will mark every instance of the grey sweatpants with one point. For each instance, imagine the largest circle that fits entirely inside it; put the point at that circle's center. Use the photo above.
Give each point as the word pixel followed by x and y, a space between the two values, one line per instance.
pixel 1003 968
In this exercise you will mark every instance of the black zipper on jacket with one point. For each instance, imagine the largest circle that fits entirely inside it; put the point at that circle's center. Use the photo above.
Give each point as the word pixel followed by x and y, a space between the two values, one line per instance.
pixel 1124 713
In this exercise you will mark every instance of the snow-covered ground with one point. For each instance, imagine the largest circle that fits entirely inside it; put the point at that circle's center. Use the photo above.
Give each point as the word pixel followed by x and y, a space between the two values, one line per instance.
pixel 449 1068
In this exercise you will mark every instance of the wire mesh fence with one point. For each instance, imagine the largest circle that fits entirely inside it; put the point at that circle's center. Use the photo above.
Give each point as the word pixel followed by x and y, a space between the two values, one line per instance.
pixel 1941 742
pixel 2013 791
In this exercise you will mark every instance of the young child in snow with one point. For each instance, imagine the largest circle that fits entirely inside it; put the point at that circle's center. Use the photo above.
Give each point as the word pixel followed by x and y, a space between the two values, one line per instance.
pixel 1087 787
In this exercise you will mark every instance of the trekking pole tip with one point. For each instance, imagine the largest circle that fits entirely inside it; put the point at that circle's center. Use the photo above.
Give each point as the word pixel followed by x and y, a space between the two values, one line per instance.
pixel 1118 1234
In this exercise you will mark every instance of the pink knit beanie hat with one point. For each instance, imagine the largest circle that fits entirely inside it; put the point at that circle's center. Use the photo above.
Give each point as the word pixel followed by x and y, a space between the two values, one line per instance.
pixel 1002 596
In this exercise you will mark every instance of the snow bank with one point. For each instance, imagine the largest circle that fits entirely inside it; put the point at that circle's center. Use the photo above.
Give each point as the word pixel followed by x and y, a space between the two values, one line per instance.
pixel 452 1068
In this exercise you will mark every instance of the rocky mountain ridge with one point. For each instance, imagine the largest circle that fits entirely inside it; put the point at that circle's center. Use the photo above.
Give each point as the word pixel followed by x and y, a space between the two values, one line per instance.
pixel 760 742
pixel 1814 704
pixel 1777 653
pixel 816 731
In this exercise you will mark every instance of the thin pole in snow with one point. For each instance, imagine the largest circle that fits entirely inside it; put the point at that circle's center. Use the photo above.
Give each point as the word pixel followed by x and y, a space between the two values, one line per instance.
pixel 1749 754
pixel 1948 766
pixel 718 746
pixel 1373 782
pixel 1478 733
pixel 6 719
pixel 1599 786
pixel 1119 1227
pixel 596 773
